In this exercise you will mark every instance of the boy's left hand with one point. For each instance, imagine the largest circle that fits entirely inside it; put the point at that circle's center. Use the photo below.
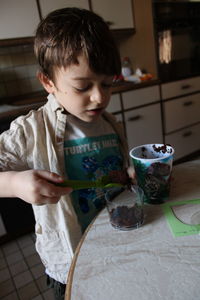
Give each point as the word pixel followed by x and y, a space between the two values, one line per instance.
pixel 123 176
pixel 131 173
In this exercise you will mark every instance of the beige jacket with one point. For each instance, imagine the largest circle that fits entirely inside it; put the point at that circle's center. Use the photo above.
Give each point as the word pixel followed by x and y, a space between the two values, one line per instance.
pixel 35 141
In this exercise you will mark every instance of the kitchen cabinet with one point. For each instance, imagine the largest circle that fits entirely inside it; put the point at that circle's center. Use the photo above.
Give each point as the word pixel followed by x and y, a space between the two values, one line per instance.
pixel 49 5
pixel 114 104
pixel 118 13
pixel 185 141
pixel 138 97
pixel 140 111
pixel 144 126
pixel 142 115
pixel 17 217
pixel 180 87
pixel 115 108
pixel 181 106
pixel 112 11
pixel 181 112
pixel 18 18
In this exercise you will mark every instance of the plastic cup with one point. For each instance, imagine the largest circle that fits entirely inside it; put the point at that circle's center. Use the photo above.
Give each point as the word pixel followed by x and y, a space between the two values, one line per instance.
pixel 125 207
pixel 153 167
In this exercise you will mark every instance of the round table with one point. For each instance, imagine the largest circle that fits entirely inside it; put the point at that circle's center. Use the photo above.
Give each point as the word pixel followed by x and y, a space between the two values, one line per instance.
pixel 147 263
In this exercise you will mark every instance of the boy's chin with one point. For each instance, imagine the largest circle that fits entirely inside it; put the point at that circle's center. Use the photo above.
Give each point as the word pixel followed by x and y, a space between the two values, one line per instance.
pixel 89 118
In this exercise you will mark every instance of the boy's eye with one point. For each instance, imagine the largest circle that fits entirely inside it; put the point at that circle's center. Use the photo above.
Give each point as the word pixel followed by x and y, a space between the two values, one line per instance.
pixel 104 85
pixel 82 89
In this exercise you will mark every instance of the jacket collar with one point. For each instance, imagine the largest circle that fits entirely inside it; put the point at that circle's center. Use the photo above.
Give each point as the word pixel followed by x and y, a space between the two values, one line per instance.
pixel 54 104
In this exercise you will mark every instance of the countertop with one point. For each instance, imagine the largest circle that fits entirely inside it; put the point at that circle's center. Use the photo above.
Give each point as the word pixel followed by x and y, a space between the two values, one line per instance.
pixel 22 105
pixel 126 85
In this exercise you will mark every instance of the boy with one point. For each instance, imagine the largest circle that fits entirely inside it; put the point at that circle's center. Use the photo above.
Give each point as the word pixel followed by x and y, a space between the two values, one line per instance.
pixel 71 136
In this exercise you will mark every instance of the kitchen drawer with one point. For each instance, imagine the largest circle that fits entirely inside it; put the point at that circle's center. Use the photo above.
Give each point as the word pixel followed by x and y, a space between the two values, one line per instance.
pixel 185 141
pixel 182 112
pixel 115 104
pixel 143 125
pixel 181 87
pixel 139 97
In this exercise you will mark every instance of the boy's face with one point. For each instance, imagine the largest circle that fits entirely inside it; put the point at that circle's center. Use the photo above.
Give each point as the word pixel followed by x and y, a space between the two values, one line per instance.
pixel 80 91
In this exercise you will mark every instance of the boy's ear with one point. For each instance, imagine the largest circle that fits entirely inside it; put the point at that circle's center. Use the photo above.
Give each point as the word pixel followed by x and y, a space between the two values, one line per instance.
pixel 46 82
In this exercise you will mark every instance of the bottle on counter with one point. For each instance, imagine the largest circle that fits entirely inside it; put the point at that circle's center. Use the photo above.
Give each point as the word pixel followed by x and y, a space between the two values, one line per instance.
pixel 126 67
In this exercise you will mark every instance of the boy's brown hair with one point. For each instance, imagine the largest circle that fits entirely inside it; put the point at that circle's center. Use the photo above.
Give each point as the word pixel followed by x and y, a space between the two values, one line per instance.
pixel 66 33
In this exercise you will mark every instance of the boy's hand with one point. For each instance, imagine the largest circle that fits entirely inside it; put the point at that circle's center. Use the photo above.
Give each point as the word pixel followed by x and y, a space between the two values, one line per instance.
pixel 131 173
pixel 126 176
pixel 38 187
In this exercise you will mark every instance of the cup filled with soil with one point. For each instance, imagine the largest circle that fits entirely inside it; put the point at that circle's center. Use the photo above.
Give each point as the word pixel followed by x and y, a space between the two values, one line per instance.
pixel 153 169
pixel 125 207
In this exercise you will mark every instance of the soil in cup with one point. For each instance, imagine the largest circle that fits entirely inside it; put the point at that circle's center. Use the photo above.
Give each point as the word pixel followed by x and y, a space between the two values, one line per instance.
pixel 156 151
pixel 125 218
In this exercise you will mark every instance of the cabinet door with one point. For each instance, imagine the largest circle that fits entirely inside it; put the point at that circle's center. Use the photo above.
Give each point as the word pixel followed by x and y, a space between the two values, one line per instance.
pixel 18 18
pixel 140 97
pixel 144 126
pixel 118 13
pixel 114 105
pixel 181 112
pixel 185 141
pixel 17 216
pixel 49 5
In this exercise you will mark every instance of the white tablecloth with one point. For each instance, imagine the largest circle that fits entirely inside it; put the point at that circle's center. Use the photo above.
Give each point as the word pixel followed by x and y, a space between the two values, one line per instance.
pixel 148 263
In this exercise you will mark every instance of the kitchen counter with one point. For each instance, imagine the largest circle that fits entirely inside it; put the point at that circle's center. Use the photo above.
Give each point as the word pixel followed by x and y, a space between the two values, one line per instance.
pixel 24 104
pixel 127 85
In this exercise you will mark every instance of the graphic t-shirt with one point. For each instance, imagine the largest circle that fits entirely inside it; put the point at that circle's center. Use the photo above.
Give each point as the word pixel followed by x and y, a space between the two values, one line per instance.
pixel 91 151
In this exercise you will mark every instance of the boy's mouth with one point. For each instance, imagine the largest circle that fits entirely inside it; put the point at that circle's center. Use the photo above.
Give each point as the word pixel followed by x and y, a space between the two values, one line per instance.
pixel 95 111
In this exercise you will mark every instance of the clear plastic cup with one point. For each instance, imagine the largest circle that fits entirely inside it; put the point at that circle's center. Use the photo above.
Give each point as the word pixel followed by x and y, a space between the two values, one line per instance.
pixel 125 207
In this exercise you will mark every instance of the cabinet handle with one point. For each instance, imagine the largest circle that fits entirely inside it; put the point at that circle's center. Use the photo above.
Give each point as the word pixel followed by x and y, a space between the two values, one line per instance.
pixel 186 86
pixel 109 23
pixel 187 133
pixel 187 103
pixel 134 118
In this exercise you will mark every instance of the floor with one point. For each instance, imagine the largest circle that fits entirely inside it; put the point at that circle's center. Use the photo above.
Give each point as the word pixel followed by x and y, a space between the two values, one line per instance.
pixel 22 274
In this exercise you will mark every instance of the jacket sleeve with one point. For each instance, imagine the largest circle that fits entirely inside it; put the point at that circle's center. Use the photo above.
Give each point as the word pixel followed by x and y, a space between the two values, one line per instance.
pixel 13 149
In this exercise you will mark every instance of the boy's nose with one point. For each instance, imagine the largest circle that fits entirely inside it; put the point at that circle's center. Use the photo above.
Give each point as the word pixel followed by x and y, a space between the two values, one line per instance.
pixel 98 95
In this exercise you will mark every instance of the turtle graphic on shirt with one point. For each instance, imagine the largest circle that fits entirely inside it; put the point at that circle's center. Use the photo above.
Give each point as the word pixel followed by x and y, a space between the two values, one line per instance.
pixel 95 170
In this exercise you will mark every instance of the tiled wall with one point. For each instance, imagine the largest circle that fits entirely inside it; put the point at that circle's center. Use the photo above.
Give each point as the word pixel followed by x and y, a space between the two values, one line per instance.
pixel 18 69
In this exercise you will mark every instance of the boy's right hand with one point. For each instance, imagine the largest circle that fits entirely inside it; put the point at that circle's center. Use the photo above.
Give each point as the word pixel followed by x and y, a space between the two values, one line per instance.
pixel 38 187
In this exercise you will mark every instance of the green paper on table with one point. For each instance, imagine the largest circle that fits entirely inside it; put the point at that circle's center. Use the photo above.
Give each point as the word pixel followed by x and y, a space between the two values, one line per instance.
pixel 177 227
